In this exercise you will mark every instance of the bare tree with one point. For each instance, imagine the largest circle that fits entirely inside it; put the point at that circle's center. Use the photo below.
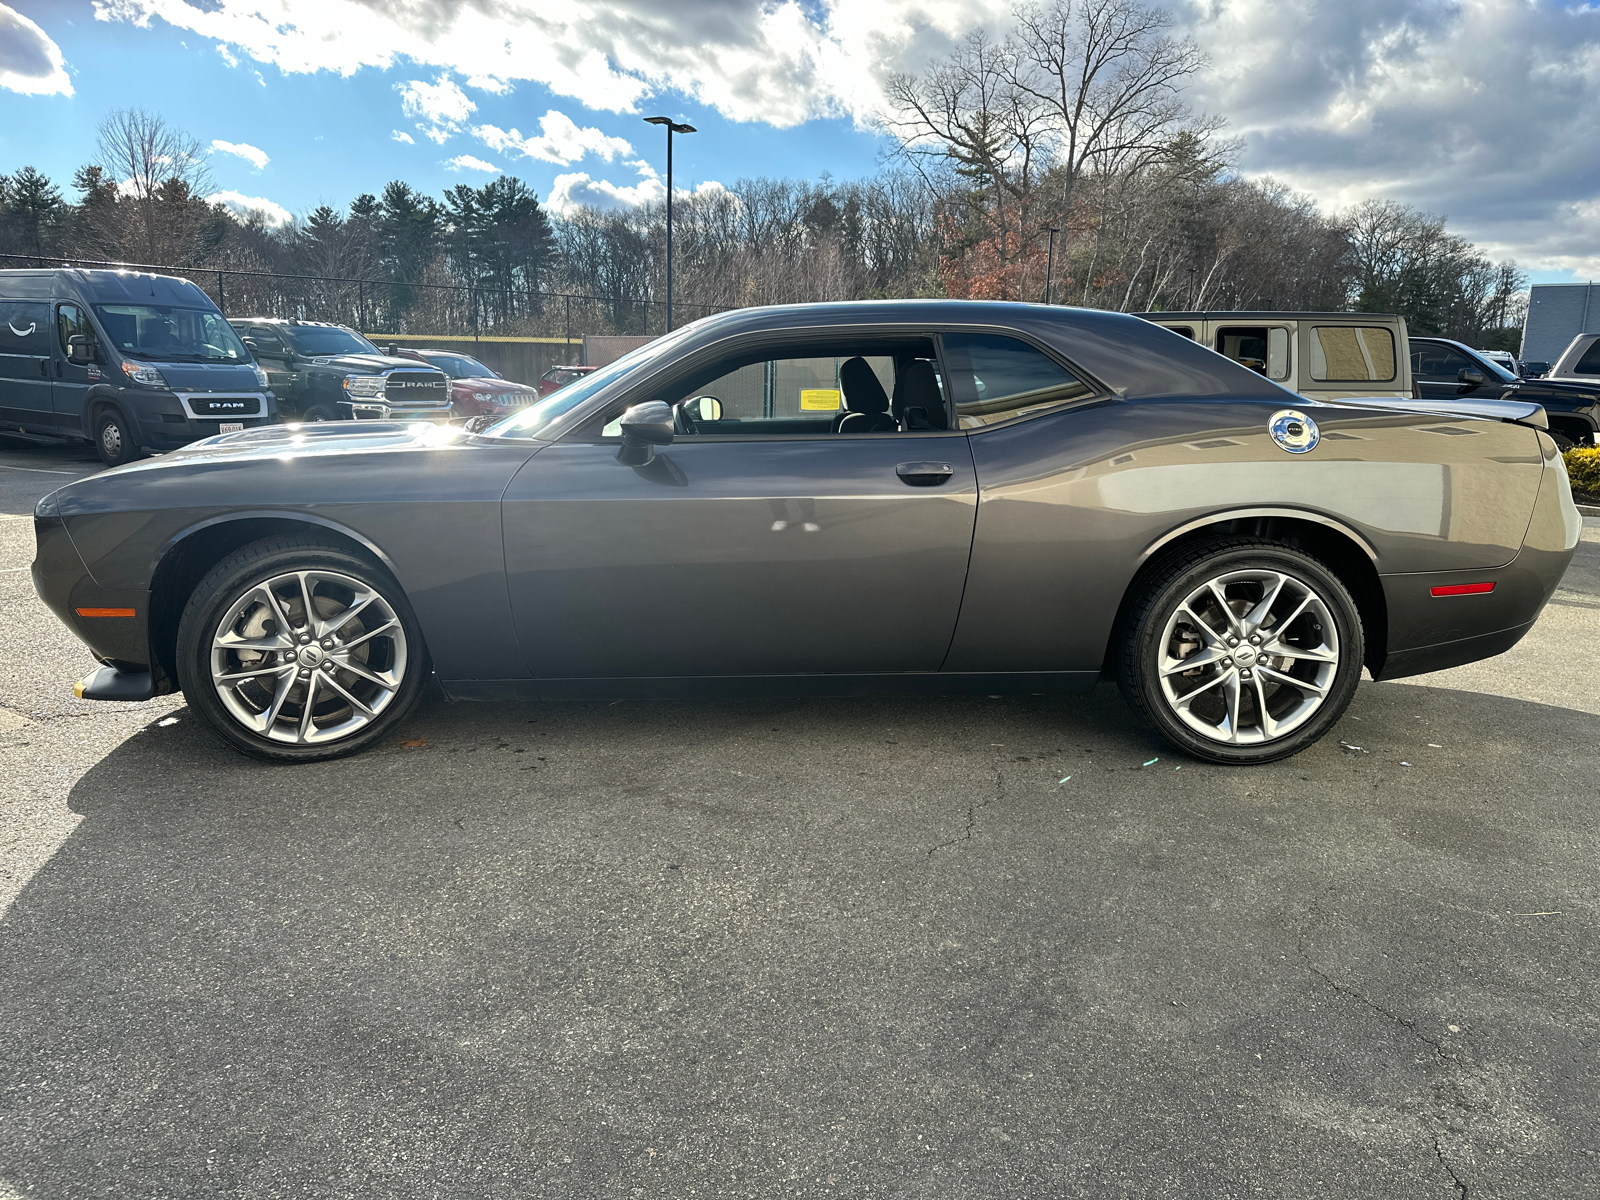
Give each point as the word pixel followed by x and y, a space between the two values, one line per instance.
pixel 146 157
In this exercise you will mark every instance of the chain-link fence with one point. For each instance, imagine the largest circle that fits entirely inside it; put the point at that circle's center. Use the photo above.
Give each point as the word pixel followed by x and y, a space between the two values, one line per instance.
pixel 378 307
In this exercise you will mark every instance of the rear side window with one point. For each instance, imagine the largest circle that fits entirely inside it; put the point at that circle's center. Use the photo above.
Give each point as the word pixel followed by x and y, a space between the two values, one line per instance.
pixel 24 327
pixel 266 340
pixel 1589 364
pixel 998 378
pixel 1351 353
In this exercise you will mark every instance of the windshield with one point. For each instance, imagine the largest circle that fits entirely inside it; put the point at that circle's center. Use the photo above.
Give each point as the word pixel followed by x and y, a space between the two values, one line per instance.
pixel 459 366
pixel 527 422
pixel 317 341
pixel 171 334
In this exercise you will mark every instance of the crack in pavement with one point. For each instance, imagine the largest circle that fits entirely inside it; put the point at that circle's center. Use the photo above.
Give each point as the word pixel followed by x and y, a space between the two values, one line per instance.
pixel 972 816
pixel 1433 1120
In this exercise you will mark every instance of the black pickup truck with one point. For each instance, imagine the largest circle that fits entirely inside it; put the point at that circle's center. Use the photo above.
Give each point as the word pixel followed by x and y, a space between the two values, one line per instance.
pixel 325 372
pixel 1444 370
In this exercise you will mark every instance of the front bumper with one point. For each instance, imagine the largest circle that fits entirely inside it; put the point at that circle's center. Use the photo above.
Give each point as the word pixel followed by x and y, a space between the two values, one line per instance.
pixel 379 409
pixel 113 623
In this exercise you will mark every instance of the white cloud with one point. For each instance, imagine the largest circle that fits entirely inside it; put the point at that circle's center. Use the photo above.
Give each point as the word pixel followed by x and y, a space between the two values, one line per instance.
pixel 561 140
pixel 402 136
pixel 441 105
pixel 465 162
pixel 252 154
pixel 30 62
pixel 578 190
pixel 272 212
pixel 781 62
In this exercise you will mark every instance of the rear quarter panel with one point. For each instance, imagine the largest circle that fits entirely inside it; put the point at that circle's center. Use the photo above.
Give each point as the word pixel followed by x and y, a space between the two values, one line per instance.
pixel 1072 504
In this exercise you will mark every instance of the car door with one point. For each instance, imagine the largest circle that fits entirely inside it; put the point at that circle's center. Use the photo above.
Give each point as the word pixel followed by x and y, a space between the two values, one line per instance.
pixel 272 355
pixel 25 336
pixel 71 381
pixel 760 541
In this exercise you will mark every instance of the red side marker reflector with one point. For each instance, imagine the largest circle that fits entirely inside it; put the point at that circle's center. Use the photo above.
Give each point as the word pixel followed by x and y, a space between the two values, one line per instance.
pixel 105 612
pixel 1463 589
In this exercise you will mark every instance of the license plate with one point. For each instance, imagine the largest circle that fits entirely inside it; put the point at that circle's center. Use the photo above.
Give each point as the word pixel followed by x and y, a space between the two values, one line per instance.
pixel 231 427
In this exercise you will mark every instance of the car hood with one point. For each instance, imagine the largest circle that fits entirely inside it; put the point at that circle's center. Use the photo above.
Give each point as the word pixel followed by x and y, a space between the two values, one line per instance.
pixel 1525 412
pixel 371 364
pixel 315 439
pixel 207 377
pixel 484 383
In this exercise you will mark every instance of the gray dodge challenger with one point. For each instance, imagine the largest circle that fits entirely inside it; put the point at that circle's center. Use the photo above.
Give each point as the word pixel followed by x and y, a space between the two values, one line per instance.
pixel 898 496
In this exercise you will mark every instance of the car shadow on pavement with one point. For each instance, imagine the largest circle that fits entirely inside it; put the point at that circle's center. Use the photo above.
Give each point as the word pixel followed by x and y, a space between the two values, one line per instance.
pixel 959 947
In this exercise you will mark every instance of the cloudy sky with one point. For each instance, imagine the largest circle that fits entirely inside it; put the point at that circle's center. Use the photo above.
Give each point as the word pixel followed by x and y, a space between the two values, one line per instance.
pixel 1483 110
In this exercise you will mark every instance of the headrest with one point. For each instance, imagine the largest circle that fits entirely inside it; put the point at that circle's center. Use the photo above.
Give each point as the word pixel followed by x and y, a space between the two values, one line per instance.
pixel 862 391
pixel 920 401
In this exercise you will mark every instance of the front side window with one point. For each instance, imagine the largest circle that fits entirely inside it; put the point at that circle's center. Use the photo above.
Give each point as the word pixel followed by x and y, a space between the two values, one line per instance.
pixel 848 388
pixel 266 340
pixel 1352 353
pixel 325 341
pixel 1264 349
pixel 168 333
pixel 995 378
pixel 71 321
pixel 1435 362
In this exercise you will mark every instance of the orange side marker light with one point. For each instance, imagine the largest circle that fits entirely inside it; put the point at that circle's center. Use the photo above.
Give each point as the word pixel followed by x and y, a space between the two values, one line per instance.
pixel 105 612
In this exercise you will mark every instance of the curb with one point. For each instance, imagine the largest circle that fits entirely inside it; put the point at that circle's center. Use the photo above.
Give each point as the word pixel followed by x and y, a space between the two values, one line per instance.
pixel 1589 510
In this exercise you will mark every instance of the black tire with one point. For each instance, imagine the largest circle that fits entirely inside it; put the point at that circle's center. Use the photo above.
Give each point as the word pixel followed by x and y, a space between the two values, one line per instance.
pixel 114 440
pixel 320 412
pixel 1177 578
pixel 246 571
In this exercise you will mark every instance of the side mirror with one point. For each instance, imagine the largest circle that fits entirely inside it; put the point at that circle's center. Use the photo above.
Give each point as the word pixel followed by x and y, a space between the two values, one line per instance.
pixel 704 408
pixel 644 427
pixel 80 349
pixel 1470 377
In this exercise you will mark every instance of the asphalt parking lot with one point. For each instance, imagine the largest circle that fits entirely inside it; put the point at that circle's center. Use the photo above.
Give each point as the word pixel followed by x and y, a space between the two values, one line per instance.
pixel 961 947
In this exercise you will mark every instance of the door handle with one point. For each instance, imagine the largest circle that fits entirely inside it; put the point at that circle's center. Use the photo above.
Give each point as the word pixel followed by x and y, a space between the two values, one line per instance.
pixel 44 368
pixel 60 370
pixel 924 474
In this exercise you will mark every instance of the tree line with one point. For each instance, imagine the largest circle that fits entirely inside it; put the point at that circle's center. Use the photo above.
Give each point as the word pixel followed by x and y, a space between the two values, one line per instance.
pixel 1063 156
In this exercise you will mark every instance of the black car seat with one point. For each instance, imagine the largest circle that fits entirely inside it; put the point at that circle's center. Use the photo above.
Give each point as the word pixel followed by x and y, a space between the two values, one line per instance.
pixel 917 401
pixel 865 401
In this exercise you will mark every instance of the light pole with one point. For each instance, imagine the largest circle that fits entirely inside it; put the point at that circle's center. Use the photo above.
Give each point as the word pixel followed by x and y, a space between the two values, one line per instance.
pixel 672 128
pixel 1050 263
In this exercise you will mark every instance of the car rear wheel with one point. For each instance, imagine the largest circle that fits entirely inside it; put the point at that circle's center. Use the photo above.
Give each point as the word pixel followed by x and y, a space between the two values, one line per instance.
pixel 113 439
pixel 297 651
pixel 320 412
pixel 1242 651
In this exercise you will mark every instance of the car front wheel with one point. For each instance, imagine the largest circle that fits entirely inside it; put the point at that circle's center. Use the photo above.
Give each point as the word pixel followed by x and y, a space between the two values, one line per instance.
pixel 114 440
pixel 296 651
pixel 1242 651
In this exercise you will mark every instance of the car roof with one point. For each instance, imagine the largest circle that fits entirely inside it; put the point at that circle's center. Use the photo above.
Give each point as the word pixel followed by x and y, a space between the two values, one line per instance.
pixel 296 321
pixel 1261 314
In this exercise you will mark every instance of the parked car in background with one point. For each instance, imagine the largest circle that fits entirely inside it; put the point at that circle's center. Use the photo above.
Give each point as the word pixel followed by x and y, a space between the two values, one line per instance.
pixel 558 377
pixel 1580 361
pixel 1450 372
pixel 1323 356
pixel 326 372
pixel 1530 369
pixel 787 501
pixel 1505 358
pixel 136 363
pixel 475 390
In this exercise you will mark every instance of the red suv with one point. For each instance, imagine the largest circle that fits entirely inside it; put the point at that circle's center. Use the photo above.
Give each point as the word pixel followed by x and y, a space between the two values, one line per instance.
pixel 475 390
pixel 557 378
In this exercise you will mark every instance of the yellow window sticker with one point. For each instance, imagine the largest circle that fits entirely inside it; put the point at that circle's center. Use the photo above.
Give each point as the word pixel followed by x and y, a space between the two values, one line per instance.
pixel 819 399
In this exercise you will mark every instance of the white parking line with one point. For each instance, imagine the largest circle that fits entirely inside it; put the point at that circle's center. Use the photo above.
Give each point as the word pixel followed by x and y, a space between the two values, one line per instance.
pixel 35 470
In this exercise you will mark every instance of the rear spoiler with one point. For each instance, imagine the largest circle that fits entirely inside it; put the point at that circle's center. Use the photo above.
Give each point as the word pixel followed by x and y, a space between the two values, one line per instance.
pixel 1517 412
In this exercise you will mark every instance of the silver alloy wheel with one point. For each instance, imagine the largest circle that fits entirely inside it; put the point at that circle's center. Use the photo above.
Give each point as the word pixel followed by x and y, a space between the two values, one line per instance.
pixel 111 439
pixel 1248 657
pixel 308 657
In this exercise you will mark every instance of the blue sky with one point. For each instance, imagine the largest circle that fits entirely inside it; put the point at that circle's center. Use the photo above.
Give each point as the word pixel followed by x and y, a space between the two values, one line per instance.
pixel 1480 110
